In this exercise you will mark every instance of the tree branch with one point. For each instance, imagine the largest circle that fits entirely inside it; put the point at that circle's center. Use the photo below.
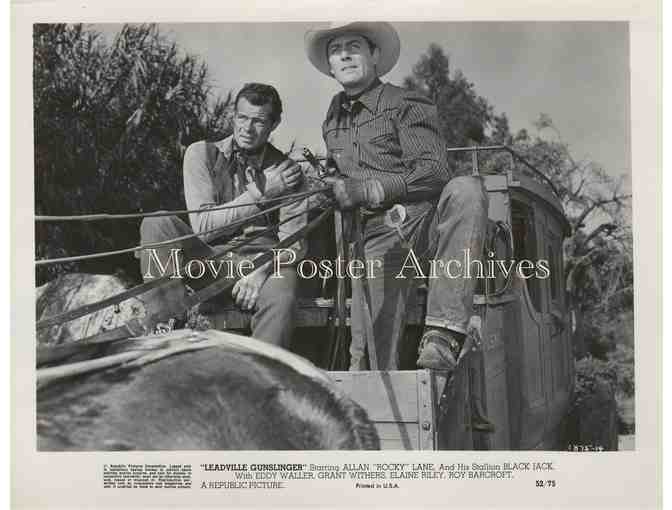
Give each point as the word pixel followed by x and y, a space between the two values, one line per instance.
pixel 597 204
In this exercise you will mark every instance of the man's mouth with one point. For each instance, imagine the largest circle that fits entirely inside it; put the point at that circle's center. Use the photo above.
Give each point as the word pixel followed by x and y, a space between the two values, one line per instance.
pixel 349 68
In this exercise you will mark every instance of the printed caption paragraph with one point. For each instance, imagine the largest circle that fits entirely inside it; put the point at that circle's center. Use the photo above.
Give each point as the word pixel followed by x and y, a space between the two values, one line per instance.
pixel 368 475
pixel 147 476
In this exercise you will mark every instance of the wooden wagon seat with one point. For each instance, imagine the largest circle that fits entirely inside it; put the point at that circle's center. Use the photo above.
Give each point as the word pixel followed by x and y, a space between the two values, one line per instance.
pixel 316 303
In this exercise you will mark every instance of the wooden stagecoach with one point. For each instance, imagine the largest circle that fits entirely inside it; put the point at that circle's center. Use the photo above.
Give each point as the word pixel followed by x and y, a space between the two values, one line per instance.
pixel 514 382
pixel 513 388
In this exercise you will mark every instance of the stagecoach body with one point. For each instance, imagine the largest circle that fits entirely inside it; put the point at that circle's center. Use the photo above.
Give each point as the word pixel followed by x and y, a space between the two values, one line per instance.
pixel 513 387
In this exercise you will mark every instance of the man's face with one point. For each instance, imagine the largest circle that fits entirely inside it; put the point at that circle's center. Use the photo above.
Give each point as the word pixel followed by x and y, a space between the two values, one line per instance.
pixel 252 125
pixel 351 61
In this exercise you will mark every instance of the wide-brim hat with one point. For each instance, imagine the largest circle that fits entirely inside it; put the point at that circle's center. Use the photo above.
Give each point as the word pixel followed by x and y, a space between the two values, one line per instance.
pixel 382 34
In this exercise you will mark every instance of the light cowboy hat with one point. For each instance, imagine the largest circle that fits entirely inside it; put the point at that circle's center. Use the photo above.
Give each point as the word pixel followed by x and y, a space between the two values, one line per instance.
pixel 382 34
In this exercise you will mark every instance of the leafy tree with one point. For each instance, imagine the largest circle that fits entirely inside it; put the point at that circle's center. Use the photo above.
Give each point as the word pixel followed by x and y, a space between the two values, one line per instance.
pixel 112 122
pixel 464 115
pixel 598 250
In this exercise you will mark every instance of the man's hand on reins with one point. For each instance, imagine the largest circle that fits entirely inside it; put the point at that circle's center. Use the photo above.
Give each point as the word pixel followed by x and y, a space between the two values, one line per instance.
pixel 351 193
pixel 282 178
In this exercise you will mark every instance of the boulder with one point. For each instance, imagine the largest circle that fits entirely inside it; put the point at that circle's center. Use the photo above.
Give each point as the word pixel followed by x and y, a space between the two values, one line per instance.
pixel 71 291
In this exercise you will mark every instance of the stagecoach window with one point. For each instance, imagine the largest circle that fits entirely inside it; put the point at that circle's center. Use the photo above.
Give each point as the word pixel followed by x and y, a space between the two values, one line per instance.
pixel 525 244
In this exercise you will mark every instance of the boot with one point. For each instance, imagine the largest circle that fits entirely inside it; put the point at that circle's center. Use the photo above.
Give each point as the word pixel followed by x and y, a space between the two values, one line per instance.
pixel 439 349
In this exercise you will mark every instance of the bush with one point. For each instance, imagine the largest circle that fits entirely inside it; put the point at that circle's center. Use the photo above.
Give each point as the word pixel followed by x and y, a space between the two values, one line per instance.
pixel 112 121
pixel 622 362
pixel 593 418
pixel 591 372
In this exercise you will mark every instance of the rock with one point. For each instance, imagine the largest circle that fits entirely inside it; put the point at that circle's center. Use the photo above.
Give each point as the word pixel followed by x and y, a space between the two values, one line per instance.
pixel 71 291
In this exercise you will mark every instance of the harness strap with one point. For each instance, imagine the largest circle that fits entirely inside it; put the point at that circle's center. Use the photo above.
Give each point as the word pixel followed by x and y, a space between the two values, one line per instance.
pixel 211 290
pixel 364 291
pixel 135 291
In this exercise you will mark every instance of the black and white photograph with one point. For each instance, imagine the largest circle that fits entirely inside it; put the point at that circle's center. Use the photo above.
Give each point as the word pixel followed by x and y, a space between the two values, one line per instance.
pixel 459 227
pixel 302 236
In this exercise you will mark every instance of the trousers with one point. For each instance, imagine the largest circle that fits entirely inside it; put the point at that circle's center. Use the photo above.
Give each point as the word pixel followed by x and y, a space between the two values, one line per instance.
pixel 274 314
pixel 453 229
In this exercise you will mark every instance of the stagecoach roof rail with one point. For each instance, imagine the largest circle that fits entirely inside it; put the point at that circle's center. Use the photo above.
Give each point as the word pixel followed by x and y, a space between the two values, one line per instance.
pixel 486 148
pixel 514 154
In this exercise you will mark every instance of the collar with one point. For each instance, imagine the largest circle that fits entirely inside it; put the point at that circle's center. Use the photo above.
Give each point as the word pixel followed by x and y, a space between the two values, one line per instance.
pixel 367 98
pixel 229 147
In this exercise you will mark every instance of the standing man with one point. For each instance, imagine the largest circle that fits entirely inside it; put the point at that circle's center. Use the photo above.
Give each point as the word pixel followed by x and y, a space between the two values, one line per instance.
pixel 386 143
pixel 240 170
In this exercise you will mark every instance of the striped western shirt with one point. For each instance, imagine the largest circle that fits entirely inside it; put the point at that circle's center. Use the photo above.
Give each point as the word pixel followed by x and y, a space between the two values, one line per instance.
pixel 390 134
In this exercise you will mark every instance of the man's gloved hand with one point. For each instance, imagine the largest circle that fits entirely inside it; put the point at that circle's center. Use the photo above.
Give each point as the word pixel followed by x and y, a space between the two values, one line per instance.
pixel 282 178
pixel 351 193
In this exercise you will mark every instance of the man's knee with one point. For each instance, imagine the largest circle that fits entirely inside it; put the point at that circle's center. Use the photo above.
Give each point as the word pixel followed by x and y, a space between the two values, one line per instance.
pixel 158 228
pixel 466 187
pixel 152 227
pixel 279 293
pixel 466 193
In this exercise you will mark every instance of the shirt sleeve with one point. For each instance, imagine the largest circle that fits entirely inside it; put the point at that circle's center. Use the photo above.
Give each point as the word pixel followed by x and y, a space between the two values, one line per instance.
pixel 199 193
pixel 423 152
pixel 296 215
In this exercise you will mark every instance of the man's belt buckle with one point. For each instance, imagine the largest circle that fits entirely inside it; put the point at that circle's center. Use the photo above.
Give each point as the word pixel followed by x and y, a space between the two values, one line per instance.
pixel 394 218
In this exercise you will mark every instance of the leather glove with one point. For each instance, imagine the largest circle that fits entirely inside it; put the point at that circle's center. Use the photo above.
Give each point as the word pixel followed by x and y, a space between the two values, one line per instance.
pixel 351 193
pixel 282 178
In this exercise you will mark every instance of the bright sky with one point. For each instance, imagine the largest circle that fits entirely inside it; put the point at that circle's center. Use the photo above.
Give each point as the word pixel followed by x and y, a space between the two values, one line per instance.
pixel 576 72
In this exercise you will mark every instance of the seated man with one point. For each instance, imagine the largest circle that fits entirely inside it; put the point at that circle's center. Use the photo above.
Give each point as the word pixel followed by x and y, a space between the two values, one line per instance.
pixel 387 145
pixel 242 169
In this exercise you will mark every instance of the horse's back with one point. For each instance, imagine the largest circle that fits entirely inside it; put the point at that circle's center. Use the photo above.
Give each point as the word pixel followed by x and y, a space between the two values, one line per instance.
pixel 208 399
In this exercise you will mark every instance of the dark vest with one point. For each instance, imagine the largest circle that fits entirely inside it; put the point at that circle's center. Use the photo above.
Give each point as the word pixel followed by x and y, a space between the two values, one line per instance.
pixel 222 171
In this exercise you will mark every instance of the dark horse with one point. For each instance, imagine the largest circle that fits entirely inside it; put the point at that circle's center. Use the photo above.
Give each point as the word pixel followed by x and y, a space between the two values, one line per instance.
pixel 196 391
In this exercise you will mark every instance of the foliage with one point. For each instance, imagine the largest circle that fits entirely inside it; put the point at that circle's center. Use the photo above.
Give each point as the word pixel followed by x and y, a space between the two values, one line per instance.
pixel 598 250
pixel 596 378
pixel 590 372
pixel 622 359
pixel 111 124
pixel 464 115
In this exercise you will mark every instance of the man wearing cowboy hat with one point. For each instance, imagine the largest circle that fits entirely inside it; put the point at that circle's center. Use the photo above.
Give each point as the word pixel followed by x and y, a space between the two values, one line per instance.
pixel 387 145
